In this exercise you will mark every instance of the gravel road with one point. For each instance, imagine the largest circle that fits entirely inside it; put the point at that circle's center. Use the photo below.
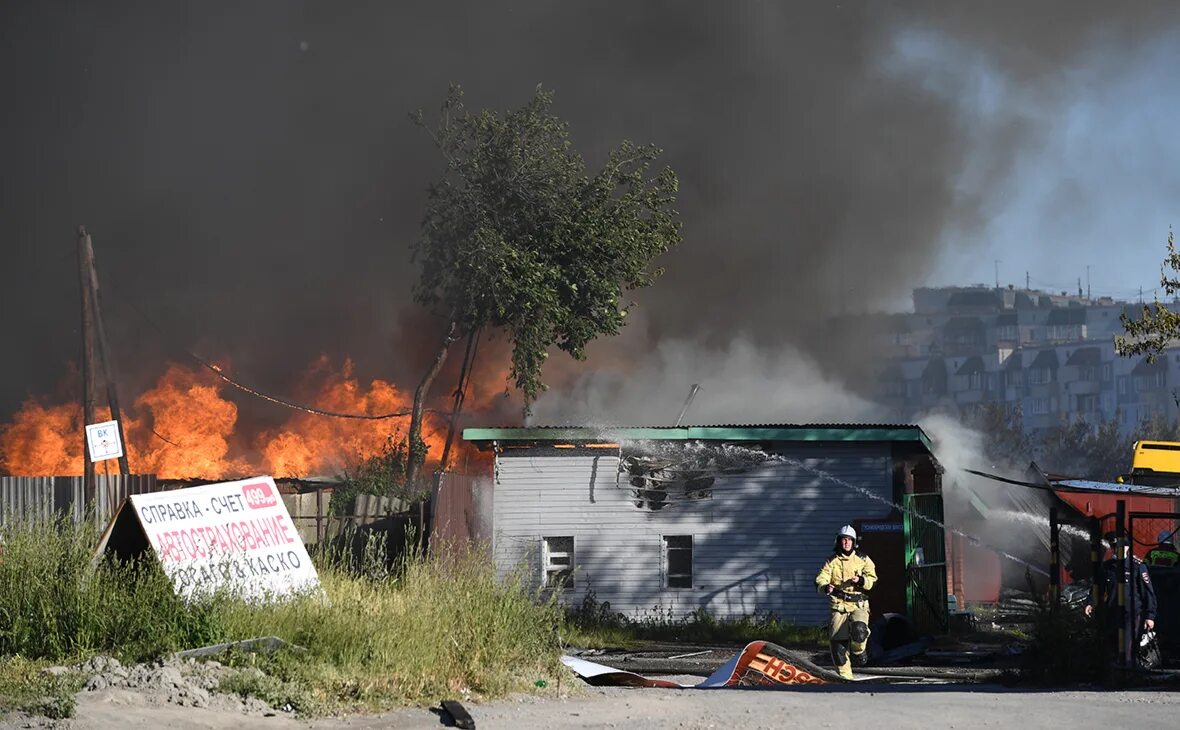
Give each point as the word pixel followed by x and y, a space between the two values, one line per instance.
pixel 897 706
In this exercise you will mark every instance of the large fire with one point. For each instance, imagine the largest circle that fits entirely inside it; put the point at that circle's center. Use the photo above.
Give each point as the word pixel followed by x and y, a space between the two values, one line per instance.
pixel 186 427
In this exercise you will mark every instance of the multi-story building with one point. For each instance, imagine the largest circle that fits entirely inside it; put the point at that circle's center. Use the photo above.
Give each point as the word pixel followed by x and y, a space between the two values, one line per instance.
pixel 1053 355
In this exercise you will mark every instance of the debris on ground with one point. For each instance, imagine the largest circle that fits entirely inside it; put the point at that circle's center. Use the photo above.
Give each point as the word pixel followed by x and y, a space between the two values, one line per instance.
pixel 184 682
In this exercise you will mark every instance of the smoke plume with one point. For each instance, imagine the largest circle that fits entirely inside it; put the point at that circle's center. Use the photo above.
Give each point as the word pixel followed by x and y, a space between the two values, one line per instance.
pixel 252 180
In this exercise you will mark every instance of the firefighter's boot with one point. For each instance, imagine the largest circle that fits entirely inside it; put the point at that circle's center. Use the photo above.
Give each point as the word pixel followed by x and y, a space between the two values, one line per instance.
pixel 841 660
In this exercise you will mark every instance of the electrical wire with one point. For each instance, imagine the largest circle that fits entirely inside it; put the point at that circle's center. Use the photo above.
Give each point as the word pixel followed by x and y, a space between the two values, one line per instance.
pixel 216 370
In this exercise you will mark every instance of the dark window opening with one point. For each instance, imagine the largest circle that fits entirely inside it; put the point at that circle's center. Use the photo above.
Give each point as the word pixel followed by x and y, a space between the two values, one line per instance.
pixel 678 561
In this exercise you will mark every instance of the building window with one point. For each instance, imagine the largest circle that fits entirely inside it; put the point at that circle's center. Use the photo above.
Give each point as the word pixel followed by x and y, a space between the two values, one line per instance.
pixel 1122 385
pixel 1040 406
pixel 1040 376
pixel 559 562
pixel 678 561
pixel 1107 372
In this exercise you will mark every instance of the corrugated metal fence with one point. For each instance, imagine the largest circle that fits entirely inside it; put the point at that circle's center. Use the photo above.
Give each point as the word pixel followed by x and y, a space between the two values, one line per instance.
pixel 461 513
pixel 42 498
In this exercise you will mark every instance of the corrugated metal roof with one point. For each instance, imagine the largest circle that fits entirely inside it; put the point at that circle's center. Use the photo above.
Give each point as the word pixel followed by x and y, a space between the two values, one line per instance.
pixel 900 432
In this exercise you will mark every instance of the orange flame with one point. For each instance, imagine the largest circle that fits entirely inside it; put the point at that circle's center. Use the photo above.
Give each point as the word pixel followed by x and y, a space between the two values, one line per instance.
pixel 309 444
pixel 185 427
pixel 191 432
pixel 43 440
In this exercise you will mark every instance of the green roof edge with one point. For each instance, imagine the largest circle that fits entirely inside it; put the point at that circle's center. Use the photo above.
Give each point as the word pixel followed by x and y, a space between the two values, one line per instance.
pixel 709 433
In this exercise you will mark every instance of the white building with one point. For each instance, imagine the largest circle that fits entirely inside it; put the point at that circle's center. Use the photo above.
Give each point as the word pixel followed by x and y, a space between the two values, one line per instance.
pixel 735 520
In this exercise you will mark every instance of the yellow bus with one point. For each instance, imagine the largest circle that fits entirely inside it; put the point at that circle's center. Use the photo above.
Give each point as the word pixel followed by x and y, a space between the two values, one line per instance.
pixel 1156 457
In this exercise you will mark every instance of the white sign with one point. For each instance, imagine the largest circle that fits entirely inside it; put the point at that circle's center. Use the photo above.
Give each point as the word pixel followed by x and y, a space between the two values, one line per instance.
pixel 235 536
pixel 103 439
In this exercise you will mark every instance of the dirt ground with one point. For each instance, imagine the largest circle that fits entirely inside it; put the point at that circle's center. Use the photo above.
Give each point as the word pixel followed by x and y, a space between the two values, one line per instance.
pixel 880 706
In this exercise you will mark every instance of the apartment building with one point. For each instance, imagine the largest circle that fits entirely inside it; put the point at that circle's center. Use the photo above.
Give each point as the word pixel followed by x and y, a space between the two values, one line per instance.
pixel 1051 354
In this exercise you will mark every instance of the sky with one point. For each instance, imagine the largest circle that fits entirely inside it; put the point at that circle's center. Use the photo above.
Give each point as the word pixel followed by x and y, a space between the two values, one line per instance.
pixel 252 180
pixel 1096 196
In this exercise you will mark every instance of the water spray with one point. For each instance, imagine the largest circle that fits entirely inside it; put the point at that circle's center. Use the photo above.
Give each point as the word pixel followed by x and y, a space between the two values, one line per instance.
pixel 722 458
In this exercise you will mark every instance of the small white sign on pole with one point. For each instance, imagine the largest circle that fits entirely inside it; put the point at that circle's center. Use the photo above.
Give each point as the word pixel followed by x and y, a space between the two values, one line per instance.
pixel 103 440
pixel 234 536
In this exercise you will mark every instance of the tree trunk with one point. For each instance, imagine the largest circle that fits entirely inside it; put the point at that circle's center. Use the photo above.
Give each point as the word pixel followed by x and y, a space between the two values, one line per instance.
pixel 415 435
pixel 460 395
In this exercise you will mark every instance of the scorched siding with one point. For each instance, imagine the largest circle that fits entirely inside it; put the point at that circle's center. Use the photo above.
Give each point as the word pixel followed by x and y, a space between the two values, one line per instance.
pixel 757 543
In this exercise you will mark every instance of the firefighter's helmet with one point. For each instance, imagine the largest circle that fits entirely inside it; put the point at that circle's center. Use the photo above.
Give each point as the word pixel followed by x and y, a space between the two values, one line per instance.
pixel 846 531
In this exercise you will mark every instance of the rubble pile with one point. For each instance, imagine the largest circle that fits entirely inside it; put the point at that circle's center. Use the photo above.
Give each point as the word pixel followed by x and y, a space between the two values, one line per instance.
pixel 177 681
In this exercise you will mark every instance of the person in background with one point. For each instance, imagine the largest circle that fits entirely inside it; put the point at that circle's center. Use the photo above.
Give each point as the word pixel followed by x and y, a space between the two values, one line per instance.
pixel 1141 594
pixel 844 578
pixel 1165 554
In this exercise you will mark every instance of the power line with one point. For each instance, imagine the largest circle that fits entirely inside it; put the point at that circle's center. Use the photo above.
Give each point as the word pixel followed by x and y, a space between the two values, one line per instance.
pixel 216 370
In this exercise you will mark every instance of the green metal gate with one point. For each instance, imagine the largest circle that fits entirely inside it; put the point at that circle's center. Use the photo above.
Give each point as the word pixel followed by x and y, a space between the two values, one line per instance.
pixel 925 561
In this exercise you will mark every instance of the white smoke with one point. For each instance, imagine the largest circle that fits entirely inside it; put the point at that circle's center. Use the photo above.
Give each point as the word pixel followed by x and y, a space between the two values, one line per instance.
pixel 740 383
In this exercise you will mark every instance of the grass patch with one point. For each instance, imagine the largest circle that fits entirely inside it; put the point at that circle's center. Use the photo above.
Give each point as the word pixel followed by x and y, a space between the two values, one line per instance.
pixel 423 631
pixel 382 633
pixel 593 624
pixel 26 687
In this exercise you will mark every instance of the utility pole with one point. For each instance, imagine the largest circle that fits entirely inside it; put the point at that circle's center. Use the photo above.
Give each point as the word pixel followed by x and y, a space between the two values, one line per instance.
pixel 94 357
pixel 1088 281
pixel 997 263
pixel 105 354
pixel 1027 282
pixel 89 379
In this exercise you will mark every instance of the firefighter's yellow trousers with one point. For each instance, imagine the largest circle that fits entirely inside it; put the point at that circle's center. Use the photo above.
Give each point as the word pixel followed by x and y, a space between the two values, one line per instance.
pixel 847 636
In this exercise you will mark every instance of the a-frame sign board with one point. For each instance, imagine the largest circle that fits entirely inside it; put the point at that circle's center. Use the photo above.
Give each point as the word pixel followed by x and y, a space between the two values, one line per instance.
pixel 232 537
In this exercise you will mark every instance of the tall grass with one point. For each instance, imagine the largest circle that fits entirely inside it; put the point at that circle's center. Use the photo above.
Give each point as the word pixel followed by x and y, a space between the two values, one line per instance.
pixel 56 603
pixel 382 632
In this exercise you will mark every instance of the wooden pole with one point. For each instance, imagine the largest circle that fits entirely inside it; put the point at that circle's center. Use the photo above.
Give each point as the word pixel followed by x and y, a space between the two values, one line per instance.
pixel 1121 555
pixel 1054 561
pixel 89 380
pixel 105 355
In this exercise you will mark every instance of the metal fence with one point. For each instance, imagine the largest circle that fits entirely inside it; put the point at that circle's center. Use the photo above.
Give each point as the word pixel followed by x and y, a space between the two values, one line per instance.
pixel 461 513
pixel 42 498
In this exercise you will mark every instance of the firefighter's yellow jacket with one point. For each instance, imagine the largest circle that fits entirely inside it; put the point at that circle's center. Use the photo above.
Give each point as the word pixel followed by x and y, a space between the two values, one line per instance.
pixel 839 572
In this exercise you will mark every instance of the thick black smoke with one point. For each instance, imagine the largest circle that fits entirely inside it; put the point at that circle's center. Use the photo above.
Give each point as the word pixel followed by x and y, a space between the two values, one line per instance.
pixel 252 181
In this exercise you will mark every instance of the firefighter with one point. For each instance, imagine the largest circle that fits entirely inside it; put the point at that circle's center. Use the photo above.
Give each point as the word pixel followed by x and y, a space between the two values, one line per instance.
pixel 844 578
pixel 1165 554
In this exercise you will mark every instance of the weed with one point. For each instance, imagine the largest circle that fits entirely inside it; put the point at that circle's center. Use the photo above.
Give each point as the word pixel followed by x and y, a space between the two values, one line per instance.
pixel 1064 649
pixel 26 686
pixel 382 632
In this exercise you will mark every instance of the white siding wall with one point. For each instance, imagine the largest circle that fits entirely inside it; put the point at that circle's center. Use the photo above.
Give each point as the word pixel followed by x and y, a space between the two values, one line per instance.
pixel 757 543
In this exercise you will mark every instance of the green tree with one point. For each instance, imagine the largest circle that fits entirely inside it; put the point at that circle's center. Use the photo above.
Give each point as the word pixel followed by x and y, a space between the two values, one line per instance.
pixel 1088 450
pixel 518 236
pixel 1157 326
pixel 1004 438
